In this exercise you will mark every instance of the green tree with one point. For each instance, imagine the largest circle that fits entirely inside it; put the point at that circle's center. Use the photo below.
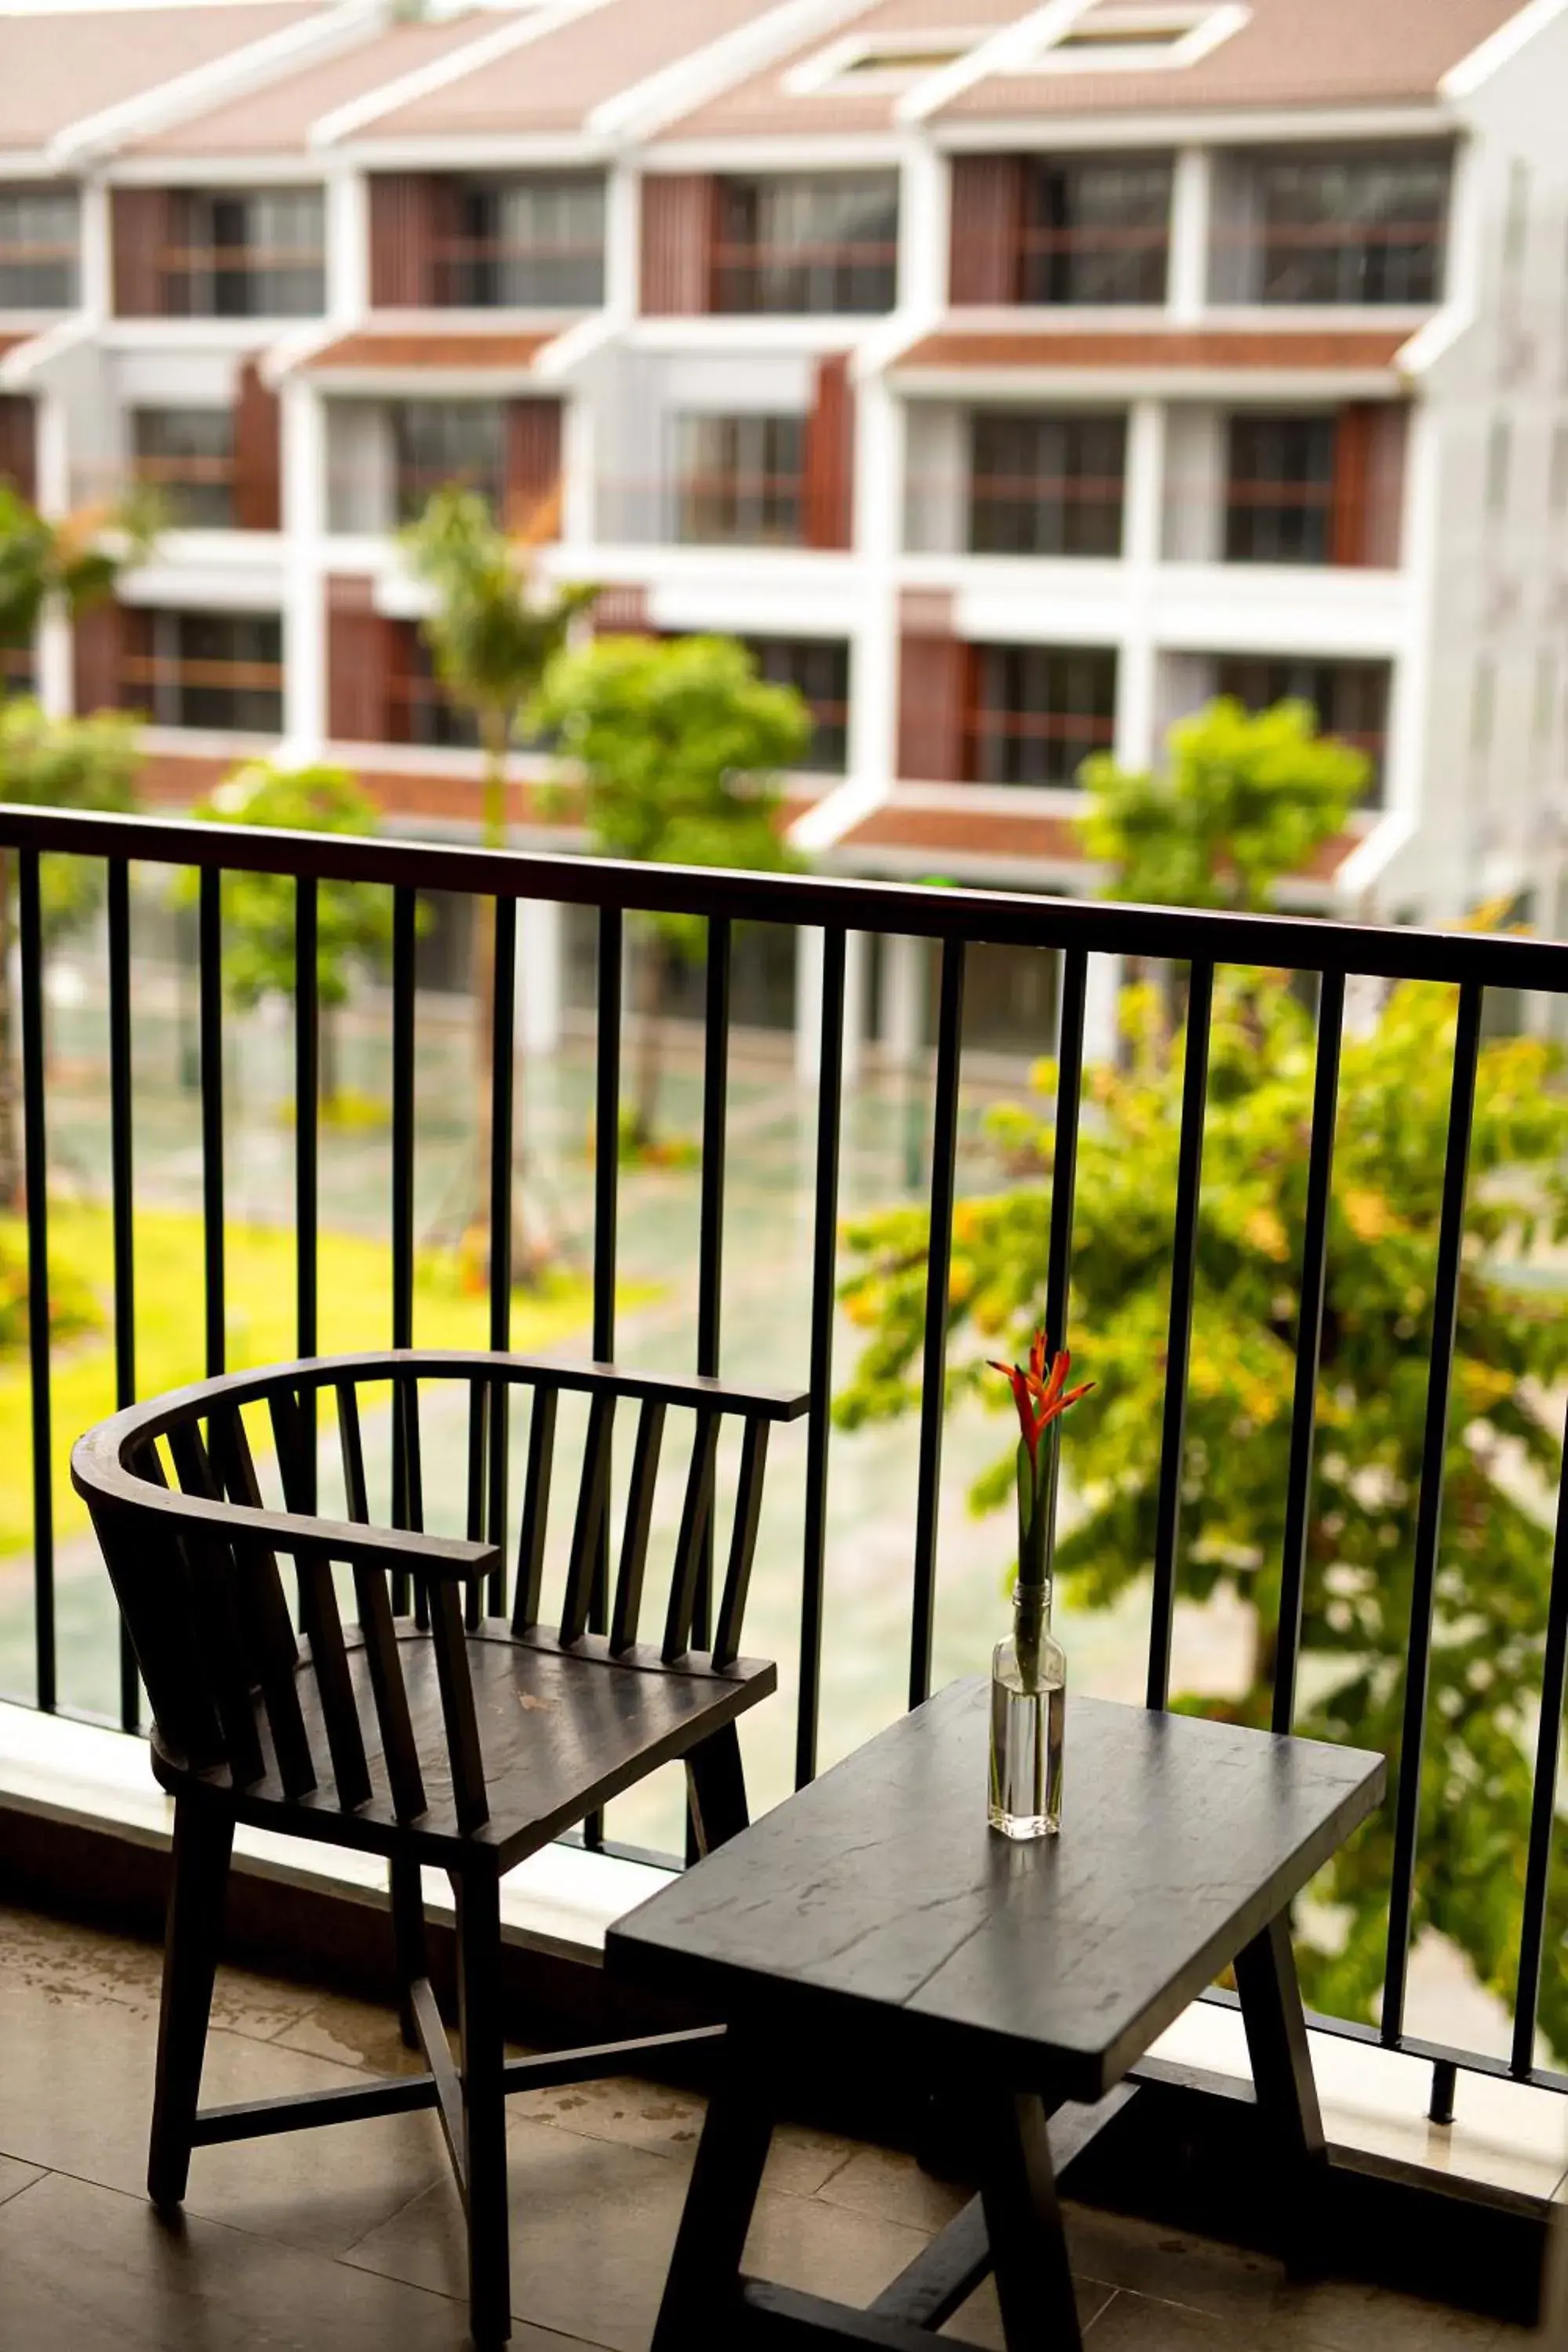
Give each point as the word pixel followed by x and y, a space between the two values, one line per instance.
pixel 66 565
pixel 354 920
pixel 84 764
pixel 1503 1453
pixel 495 624
pixel 678 747
pixel 1244 798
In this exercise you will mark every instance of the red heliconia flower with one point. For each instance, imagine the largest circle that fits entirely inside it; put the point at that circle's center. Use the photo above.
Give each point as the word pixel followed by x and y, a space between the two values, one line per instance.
pixel 1041 1393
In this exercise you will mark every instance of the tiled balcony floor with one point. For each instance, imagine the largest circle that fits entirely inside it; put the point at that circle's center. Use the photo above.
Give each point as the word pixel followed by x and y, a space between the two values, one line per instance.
pixel 352 2240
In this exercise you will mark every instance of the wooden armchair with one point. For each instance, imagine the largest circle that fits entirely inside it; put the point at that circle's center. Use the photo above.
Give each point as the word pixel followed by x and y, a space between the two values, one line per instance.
pixel 436 1735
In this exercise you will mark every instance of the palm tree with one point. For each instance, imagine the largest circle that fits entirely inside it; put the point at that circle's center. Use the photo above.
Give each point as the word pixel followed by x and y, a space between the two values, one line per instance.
pixel 47 567
pixel 494 627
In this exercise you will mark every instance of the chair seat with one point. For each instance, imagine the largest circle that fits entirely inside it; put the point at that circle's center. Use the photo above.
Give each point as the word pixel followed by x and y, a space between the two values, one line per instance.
pixel 563 1730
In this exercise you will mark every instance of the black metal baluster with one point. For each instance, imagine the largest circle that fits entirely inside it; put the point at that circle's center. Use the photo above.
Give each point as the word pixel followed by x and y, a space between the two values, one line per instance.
pixel 1309 1345
pixel 939 1272
pixel 35 1152
pixel 503 1178
pixel 307 1147
pixel 121 1186
pixel 1183 1277
pixel 210 958
pixel 1429 1509
pixel 1064 1150
pixel 606 1201
pixel 1544 1802
pixel 824 1262
pixel 711 1220
pixel 405 911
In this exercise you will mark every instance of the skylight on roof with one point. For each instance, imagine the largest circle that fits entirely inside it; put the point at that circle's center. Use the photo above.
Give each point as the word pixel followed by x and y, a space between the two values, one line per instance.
pixel 1120 40
pixel 859 62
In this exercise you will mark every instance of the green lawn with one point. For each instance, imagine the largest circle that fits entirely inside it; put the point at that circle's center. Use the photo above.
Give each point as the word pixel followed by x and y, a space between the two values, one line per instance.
pixel 355 1311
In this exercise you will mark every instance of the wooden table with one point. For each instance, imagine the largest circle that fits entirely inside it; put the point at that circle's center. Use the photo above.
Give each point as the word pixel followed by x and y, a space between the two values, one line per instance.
pixel 874 1921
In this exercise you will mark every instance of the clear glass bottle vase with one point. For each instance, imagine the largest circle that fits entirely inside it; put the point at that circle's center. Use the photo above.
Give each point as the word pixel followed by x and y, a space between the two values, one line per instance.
pixel 1028 1717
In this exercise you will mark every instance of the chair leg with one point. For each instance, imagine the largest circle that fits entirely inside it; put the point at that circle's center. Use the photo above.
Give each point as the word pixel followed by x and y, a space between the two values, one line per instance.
pixel 408 1941
pixel 484 2104
pixel 716 1791
pixel 203 1840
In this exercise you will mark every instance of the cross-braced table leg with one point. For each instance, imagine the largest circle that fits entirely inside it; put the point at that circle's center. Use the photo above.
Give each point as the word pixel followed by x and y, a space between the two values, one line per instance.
pixel 701 2295
pixel 1024 2222
pixel 1282 2078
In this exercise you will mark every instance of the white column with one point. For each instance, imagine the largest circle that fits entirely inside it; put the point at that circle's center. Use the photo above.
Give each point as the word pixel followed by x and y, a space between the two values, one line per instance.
pixel 924 202
pixel 622 240
pixel 878 511
pixel 97 268
pixel 1144 501
pixel 348 245
pixel 541 945
pixel 1186 286
pixel 577 470
pixel 1102 993
pixel 901 1005
pixel 302 426
pixel 808 1004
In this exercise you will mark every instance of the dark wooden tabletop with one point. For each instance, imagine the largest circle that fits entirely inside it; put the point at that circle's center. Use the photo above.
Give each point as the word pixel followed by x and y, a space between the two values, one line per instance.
pixel 879 1898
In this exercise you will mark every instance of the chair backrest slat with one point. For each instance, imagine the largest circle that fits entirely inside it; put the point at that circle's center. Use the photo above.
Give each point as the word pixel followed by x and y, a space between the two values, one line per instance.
pixel 535 1510
pixel 351 1444
pixel 638 1522
pixel 292 1435
pixel 695 1512
pixel 448 1637
pixel 398 1744
pixel 334 1679
pixel 153 1589
pixel 408 1501
pixel 263 1608
pixel 742 1542
pixel 593 1504
pixel 474 1520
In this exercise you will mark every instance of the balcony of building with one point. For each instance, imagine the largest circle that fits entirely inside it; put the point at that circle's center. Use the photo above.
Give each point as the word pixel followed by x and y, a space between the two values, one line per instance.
pixel 498 241
pixel 228 254
pixel 223 1229
pixel 1353 228
pixel 794 244
pixel 387 457
pixel 766 479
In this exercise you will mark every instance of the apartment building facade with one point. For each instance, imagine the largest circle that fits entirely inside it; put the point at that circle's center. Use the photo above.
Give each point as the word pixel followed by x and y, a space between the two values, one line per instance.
pixel 1012 381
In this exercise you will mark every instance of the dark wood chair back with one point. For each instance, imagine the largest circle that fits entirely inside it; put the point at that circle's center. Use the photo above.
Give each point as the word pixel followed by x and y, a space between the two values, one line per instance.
pixel 193 1554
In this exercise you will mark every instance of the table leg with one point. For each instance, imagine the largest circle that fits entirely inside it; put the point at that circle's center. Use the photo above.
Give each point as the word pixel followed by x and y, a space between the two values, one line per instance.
pixel 1283 2080
pixel 1023 2220
pixel 701 2294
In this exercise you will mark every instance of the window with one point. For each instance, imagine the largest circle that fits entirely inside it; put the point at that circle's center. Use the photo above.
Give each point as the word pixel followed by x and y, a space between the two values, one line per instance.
pixel 38 241
pixel 526 245
pixel 221 670
pixel 1138 39
pixel 248 254
pixel 186 455
pixel 439 441
pixel 427 713
pixel 1279 491
pixel 1040 711
pixel 1350 228
pixel 818 669
pixel 1045 485
pixel 740 481
pixel 807 244
pixel 1097 231
pixel 1351 698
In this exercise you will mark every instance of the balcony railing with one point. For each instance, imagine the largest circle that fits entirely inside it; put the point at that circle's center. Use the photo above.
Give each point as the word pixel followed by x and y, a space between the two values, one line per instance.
pixel 243 281
pixel 1358 264
pixel 950 922
pixel 843 276
pixel 704 509
pixel 484 273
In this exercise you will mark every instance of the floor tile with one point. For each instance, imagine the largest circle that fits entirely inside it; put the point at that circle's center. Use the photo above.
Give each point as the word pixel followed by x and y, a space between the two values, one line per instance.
pixel 1251 2295
pixel 830 2250
pixel 87 2269
pixel 76 2096
pixel 353 2033
pixel 592 2224
pixel 66 1962
pixel 890 2185
pixel 628 2113
pixel 14 2177
pixel 979 2321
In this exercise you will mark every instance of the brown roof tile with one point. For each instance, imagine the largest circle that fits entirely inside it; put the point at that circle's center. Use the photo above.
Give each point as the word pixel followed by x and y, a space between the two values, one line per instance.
pixel 55 72
pixel 555 83
pixel 1154 347
pixel 1287 53
pixel 977 832
pixel 433 347
pixel 278 118
pixel 764 103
